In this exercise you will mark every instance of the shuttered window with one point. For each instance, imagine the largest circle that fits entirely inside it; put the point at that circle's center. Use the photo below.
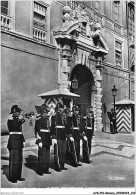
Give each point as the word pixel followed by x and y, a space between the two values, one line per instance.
pixel 97 5
pixel 116 10
pixel 39 21
pixel 118 53
pixel 4 7
pixel 131 20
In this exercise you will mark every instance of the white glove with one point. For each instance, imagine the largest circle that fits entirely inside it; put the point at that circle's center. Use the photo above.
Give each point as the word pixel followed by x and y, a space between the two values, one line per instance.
pixel 54 141
pixel 10 117
pixel 85 138
pixel 38 137
pixel 21 117
pixel 40 145
pixel 71 139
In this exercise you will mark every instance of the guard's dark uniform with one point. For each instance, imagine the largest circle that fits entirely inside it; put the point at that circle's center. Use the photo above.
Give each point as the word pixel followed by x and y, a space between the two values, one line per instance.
pixel 58 132
pixel 112 117
pixel 76 131
pixel 88 131
pixel 92 116
pixel 71 152
pixel 113 121
pixel 42 128
pixel 15 144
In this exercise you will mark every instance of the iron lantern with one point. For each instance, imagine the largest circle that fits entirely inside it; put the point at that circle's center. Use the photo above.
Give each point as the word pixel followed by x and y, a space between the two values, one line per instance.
pixel 74 83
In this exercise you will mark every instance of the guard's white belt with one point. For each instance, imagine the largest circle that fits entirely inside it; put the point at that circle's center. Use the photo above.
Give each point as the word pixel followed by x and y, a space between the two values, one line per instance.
pixel 60 127
pixel 15 133
pixel 89 127
pixel 44 130
pixel 77 128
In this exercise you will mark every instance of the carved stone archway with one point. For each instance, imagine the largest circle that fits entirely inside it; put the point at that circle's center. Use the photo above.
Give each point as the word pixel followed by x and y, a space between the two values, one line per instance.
pixel 77 43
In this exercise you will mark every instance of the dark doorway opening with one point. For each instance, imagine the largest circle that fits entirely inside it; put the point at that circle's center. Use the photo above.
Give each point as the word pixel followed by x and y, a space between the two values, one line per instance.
pixel 85 83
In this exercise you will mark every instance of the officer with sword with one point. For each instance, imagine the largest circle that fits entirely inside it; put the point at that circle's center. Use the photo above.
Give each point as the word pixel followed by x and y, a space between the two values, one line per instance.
pixel 58 132
pixel 71 152
pixel 44 141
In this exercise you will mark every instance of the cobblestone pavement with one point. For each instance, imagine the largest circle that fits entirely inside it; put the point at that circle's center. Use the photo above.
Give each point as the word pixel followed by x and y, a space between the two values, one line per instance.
pixel 112 165
pixel 112 149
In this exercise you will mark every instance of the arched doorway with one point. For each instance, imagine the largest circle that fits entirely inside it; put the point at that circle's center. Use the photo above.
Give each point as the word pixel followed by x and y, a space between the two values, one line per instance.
pixel 85 84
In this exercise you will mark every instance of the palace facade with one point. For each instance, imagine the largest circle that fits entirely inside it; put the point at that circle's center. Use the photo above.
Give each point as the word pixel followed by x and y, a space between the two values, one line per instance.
pixel 48 44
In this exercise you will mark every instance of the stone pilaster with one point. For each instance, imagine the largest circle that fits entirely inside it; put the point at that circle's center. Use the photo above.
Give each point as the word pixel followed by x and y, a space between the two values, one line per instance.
pixel 65 70
pixel 92 67
pixel 99 124
pixel 59 67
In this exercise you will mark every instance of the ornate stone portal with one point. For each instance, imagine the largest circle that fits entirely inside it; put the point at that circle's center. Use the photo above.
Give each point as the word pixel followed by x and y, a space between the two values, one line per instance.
pixel 79 41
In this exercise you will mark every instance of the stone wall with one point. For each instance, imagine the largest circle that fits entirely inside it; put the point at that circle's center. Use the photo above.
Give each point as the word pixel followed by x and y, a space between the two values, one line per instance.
pixel 28 69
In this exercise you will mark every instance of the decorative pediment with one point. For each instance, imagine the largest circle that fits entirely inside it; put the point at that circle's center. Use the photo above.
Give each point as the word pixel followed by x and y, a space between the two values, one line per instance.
pixel 78 28
pixel 73 33
pixel 69 29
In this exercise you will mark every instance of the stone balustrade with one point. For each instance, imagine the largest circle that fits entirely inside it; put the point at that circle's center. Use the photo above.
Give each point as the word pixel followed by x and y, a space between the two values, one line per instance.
pixel 39 34
pixel 39 9
pixel 5 22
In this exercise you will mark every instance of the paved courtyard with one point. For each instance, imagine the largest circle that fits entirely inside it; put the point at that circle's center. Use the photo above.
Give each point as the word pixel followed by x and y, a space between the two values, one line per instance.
pixel 112 165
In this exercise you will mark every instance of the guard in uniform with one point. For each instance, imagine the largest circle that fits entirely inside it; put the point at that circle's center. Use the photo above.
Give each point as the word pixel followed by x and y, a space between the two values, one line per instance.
pixel 58 132
pixel 15 144
pixel 92 116
pixel 70 152
pixel 44 141
pixel 113 121
pixel 76 131
pixel 87 134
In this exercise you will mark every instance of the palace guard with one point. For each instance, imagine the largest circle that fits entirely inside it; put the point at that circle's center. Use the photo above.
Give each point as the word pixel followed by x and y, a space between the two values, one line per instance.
pixel 92 116
pixel 71 152
pixel 113 121
pixel 15 144
pixel 58 132
pixel 88 131
pixel 42 128
pixel 76 131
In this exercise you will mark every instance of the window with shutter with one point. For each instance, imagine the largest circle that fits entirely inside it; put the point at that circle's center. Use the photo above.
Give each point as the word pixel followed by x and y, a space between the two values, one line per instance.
pixel 4 7
pixel 116 10
pixel 97 5
pixel 118 53
pixel 39 21
pixel 5 18
pixel 131 20
pixel 72 4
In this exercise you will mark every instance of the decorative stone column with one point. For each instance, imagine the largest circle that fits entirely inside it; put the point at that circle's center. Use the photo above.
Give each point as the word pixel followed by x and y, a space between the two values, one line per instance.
pixel 59 66
pixel 93 103
pixel 65 70
pixel 99 124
